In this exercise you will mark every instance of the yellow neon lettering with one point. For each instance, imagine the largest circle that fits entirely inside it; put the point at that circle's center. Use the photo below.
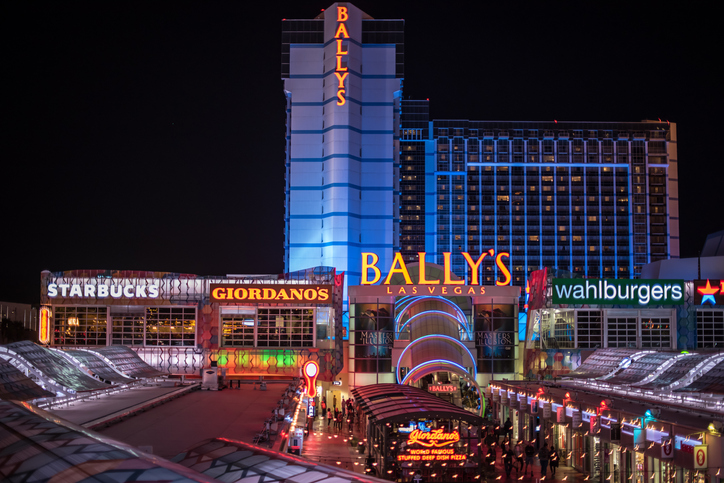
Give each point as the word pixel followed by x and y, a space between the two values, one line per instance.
pixel 341 78
pixel 339 65
pixel 341 32
pixel 474 266
pixel 218 293
pixel 341 101
pixel 398 266
pixel 423 280
pixel 342 14
pixel 448 271
pixel 503 268
pixel 372 265
pixel 339 47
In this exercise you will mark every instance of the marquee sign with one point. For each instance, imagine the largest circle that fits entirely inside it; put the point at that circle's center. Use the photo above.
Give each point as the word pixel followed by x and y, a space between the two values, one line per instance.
pixel 369 262
pixel 434 443
pixel 437 438
pixel 442 388
pixel 341 71
pixel 271 293
pixel 103 290
pixel 617 292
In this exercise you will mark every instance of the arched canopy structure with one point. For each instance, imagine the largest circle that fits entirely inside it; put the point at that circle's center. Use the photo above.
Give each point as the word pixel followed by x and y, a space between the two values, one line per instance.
pixel 435 347
pixel 422 309
pixel 396 403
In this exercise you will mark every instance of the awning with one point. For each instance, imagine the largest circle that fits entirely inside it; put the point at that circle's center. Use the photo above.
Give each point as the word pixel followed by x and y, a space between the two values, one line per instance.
pixel 395 403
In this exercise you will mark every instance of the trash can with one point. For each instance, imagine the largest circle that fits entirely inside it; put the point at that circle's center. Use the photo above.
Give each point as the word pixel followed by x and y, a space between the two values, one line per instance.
pixel 210 379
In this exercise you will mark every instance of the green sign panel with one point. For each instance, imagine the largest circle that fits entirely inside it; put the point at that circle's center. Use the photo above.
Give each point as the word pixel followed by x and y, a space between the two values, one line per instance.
pixel 618 292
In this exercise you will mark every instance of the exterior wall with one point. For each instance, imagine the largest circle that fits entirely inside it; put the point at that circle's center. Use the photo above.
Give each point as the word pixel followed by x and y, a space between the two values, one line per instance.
pixel 126 318
pixel 595 199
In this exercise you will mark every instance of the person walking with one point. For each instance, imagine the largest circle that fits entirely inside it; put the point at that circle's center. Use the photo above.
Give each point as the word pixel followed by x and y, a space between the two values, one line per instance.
pixel 543 456
pixel 554 460
pixel 507 460
pixel 519 456
pixel 529 458
pixel 508 427
pixel 329 417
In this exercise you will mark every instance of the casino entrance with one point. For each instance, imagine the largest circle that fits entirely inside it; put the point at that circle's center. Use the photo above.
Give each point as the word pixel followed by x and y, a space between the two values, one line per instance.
pixel 433 337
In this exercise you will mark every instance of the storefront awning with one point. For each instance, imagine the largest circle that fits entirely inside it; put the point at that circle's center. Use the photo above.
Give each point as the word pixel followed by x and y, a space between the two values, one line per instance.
pixel 396 403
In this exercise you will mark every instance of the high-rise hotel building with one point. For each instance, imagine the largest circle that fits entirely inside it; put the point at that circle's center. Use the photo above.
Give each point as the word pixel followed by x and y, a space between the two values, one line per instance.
pixel 599 199
pixel 342 76
pixel 367 171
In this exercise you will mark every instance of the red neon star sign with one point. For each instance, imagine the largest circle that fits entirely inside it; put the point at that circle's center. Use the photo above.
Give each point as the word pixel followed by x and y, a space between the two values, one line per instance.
pixel 708 293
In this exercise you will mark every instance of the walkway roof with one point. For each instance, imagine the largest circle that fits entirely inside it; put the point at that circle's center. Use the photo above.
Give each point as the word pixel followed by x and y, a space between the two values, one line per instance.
pixel 396 403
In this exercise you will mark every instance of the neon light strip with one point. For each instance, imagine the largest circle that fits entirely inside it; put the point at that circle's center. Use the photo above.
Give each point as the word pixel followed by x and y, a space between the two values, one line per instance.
pixel 464 326
pixel 434 336
pixel 460 313
pixel 463 373
pixel 424 365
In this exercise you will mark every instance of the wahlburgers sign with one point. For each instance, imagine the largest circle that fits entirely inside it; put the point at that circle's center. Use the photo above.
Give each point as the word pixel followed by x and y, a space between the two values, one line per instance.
pixel 618 292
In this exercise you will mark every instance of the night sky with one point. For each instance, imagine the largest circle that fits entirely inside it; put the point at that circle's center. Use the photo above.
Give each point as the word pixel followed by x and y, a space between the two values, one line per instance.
pixel 150 135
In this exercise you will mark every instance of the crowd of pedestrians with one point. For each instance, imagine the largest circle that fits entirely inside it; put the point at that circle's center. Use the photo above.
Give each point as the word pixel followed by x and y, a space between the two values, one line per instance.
pixel 337 417
pixel 520 456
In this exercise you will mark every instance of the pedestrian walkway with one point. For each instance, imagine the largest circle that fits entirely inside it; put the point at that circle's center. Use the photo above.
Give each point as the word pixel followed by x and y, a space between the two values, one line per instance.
pixel 326 444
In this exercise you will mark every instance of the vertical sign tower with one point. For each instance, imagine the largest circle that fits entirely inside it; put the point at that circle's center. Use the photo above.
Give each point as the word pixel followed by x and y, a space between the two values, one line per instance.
pixel 342 76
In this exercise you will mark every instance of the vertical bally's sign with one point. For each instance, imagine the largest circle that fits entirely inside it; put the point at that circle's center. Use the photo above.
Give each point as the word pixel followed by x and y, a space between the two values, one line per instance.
pixel 340 71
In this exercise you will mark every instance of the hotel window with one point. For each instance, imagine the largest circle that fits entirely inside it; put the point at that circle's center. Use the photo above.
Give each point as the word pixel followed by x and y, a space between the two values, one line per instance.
pixel 285 327
pixel 655 333
pixel 171 326
pixel 80 325
pixel 710 329
pixel 237 326
pixel 622 331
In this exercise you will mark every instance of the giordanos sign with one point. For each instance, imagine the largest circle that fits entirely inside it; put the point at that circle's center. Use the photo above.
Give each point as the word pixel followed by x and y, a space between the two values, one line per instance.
pixel 617 292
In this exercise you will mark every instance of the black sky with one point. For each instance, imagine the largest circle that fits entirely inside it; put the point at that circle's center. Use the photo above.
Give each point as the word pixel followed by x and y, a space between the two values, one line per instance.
pixel 150 135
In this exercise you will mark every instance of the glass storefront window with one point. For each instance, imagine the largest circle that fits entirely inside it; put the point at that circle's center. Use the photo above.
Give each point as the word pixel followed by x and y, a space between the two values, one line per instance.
pixel 237 327
pixel 285 327
pixel 171 326
pixel 127 325
pixel 80 325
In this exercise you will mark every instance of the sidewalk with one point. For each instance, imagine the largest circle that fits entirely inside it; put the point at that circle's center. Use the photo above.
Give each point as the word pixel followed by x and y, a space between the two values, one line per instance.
pixel 332 446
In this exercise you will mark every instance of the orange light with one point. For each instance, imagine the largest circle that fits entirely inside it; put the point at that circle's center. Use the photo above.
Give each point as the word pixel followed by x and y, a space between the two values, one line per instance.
pixel 44 325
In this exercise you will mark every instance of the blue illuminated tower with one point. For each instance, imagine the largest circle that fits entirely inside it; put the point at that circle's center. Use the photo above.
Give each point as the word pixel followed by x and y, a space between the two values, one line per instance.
pixel 342 75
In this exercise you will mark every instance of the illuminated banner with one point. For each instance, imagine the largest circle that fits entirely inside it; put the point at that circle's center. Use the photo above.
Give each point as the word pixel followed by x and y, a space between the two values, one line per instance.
pixel 369 262
pixel 271 293
pixel 101 290
pixel 618 292
pixel 446 388
pixel 709 292
pixel 434 442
